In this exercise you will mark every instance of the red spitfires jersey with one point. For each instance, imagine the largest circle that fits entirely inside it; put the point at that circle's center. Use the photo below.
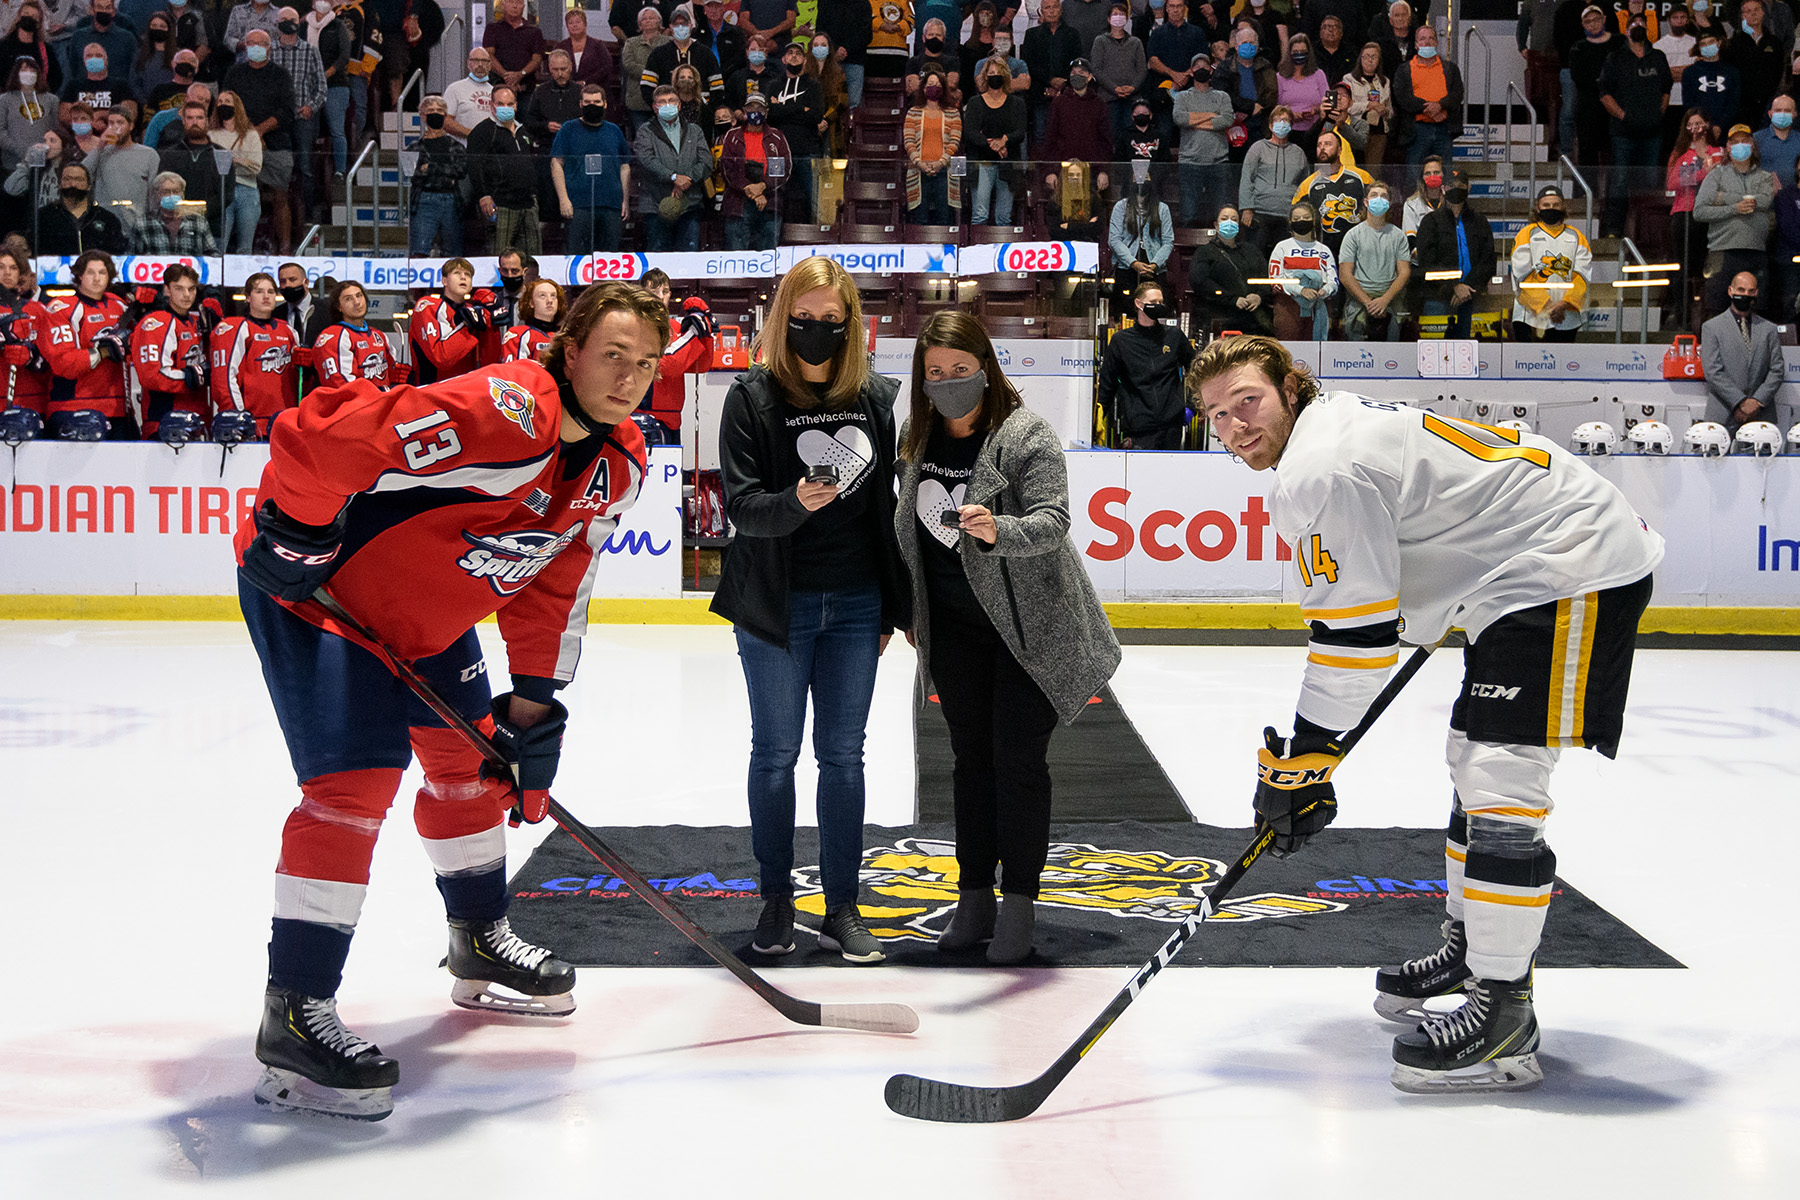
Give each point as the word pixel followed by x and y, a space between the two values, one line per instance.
pixel 442 345
pixel 65 336
pixel 463 501
pixel 524 341
pixel 162 346
pixel 29 384
pixel 253 367
pixel 342 354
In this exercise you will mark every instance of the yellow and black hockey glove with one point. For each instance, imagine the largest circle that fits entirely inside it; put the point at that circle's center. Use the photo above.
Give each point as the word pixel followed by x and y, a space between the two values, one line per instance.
pixel 1293 785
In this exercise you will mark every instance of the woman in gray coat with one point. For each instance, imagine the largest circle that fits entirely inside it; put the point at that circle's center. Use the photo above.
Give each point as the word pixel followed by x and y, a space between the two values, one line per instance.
pixel 1005 621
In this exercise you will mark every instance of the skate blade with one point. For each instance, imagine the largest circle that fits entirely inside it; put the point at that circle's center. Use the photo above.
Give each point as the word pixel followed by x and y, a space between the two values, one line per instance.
pixel 480 996
pixel 291 1092
pixel 1409 1010
pixel 1517 1074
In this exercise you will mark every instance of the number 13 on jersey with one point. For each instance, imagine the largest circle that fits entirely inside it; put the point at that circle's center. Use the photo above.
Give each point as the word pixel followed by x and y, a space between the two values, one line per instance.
pixel 1316 562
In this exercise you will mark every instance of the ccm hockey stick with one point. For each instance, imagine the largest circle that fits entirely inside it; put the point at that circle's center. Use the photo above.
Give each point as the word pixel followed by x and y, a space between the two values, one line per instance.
pixel 876 1018
pixel 933 1100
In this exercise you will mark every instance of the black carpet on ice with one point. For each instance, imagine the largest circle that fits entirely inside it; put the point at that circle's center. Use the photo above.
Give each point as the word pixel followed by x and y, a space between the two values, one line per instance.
pixel 1112 893
pixel 1100 769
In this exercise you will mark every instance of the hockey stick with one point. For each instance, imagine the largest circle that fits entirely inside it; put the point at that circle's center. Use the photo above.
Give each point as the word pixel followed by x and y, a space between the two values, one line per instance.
pixel 876 1018
pixel 933 1100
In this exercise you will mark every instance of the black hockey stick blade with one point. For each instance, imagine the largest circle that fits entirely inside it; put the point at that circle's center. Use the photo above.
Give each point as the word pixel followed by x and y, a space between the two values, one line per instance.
pixel 934 1100
pixel 873 1018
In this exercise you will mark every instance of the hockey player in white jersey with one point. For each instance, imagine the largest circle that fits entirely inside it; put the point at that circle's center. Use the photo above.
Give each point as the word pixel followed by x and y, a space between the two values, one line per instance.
pixel 1405 525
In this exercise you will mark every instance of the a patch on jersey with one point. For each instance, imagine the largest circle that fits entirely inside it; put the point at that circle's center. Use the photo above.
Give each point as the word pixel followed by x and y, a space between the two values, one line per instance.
pixel 274 360
pixel 1551 265
pixel 152 323
pixel 373 365
pixel 515 404
pixel 1338 209
pixel 538 502
pixel 509 561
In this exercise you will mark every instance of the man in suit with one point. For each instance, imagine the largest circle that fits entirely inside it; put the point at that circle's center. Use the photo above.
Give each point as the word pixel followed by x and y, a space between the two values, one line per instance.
pixel 1742 356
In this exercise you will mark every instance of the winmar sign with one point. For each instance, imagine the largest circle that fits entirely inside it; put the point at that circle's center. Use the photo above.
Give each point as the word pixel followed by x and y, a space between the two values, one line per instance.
pixel 914 888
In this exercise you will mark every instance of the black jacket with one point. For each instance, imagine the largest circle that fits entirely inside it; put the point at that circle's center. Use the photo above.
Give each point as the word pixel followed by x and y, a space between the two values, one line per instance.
pixel 753 583
pixel 1140 378
pixel 60 233
pixel 1409 107
pixel 1218 276
pixel 849 23
pixel 1437 250
pixel 501 163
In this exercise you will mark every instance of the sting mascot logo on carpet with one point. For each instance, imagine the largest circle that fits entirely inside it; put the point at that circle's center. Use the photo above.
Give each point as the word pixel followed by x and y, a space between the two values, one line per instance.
pixel 914 886
pixel 512 560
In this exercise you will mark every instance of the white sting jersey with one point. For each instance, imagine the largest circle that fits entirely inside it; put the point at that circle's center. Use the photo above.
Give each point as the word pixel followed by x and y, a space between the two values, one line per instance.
pixel 1396 514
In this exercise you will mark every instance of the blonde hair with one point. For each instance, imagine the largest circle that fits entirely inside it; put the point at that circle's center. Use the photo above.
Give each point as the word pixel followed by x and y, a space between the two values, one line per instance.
pixel 849 367
pixel 1224 355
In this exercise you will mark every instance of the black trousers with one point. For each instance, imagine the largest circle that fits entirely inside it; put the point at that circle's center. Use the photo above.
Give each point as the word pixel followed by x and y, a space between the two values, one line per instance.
pixel 1000 726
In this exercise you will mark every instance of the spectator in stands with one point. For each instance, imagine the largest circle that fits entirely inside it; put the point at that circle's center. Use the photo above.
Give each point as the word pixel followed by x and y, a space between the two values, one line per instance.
pixel 1677 45
pixel 1331 52
pixel 470 100
pixel 26 40
pixel 267 92
pixel 517 46
pixel 96 84
pixel 993 138
pixel 1142 236
pixel 849 24
pixel 1079 129
pixel 173 226
pixel 1428 99
pixel 154 65
pixel 1308 272
pixel 1172 47
pixel 1454 237
pixel 192 159
pixel 1778 143
pixel 1120 67
pixel 1587 59
pixel 674 160
pixel 1741 354
pixel 234 134
pixel 300 59
pixel 823 68
pixel 1140 375
pixel 1050 50
pixel 773 19
pixel 1634 90
pixel 634 58
pixel 1552 268
pixel 75 224
pixel 1274 23
pixel 1202 114
pixel 1711 83
pixel 164 105
pixel 121 168
pixel 752 207
pixel 501 156
pixel 84 131
pixel 338 39
pixel 1272 170
pixel 245 18
pixel 1147 144
pixel 1372 102
pixel 1394 32
pixel 27 113
pixel 1336 117
pixel 555 101
pixel 590 61
pixel 1088 18
pixel 1426 197
pixel 102 27
pixel 796 108
pixel 194 31
pixel 681 48
pixel 1302 87
pixel 933 136
pixel 1006 48
pixel 1696 153
pixel 1074 200
pixel 1710 17
pixel 725 39
pixel 1219 275
pixel 937 53
pixel 29 188
pixel 1761 60
pixel 759 74
pixel 1734 202
pixel 890 38
pixel 436 216
pixel 1374 267
pixel 693 107
pixel 1336 191
pixel 592 205
pixel 1255 87
pixel 980 43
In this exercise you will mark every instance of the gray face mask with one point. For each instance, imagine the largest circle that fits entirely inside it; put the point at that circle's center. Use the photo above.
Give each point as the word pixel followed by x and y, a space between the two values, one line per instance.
pixel 956 398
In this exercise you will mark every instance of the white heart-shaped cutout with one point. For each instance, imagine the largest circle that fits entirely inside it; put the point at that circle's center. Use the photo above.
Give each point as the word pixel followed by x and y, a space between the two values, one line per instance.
pixel 934 501
pixel 850 452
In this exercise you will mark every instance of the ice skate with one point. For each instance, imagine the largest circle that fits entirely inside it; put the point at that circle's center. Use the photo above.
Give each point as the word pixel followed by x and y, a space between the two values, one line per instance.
pixel 498 971
pixel 1401 992
pixel 1488 1045
pixel 312 1063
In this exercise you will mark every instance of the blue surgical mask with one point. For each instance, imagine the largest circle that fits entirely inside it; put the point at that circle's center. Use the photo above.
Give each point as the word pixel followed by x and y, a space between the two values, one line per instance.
pixel 757 58
pixel 1427 51
pixel 257 54
pixel 1700 7
pixel 504 113
pixel 1378 206
pixel 682 32
pixel 1745 25
pixel 1281 128
pixel 1740 151
pixel 1228 229
pixel 478 77
pixel 1711 51
pixel 81 128
pixel 1247 51
pixel 95 65
pixel 171 202
pixel 1782 120
pixel 1158 4
pixel 821 52
pixel 668 112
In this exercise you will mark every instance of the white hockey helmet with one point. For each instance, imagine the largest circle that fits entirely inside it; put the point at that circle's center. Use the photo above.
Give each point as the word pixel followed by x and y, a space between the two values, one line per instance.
pixel 1708 439
pixel 1757 438
pixel 1594 437
pixel 1794 438
pixel 1652 437
pixel 1516 425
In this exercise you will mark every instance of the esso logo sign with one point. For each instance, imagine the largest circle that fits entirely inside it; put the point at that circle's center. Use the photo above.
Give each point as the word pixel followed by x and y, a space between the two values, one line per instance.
pixel 601 268
pixel 1037 256
pixel 1165 535
pixel 150 270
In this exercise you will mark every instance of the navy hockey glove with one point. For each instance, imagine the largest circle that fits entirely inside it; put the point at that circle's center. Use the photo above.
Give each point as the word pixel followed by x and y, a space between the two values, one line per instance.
pixel 288 560
pixel 1293 787
pixel 533 751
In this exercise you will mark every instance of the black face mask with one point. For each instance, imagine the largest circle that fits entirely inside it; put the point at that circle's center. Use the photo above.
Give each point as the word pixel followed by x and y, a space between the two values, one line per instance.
pixel 794 68
pixel 434 120
pixel 158 36
pixel 816 341
pixel 293 295
pixel 290 28
pixel 1301 228
pixel 1743 304
pixel 103 21
pixel 512 283
pixel 1639 35
pixel 1456 195
pixel 72 195
pixel 593 114
pixel 183 71
pixel 1158 312
pixel 1142 120
pixel 1550 216
pixel 28 24
pixel 934 45
pixel 226 113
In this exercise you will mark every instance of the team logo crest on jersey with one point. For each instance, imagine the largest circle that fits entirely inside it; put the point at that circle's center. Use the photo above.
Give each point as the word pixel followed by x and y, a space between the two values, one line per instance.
pixel 1552 265
pixel 515 404
pixel 917 880
pixel 274 360
pixel 509 561
pixel 1338 210
pixel 374 365
pixel 152 323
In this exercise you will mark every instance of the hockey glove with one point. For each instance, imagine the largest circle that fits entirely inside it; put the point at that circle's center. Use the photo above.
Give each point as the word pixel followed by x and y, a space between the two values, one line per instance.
pixel 15 355
pixel 288 560
pixel 303 357
pixel 144 297
pixel 697 317
pixel 1293 788
pixel 533 751
pixel 109 347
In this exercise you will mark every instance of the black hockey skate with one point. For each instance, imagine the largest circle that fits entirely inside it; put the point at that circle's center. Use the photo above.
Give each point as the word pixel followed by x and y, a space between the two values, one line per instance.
pixel 1401 992
pixel 1488 1045
pixel 485 955
pixel 312 1063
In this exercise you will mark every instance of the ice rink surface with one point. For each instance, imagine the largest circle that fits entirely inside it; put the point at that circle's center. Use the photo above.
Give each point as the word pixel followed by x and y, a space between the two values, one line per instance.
pixel 146 784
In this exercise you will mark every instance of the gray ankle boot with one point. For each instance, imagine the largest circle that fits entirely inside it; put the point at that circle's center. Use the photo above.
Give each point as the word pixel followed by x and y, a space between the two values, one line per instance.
pixel 1012 932
pixel 972 922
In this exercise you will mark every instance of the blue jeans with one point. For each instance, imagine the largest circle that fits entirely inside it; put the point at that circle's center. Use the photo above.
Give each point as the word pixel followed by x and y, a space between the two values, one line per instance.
pixel 592 229
pixel 340 106
pixel 833 646
pixel 934 200
pixel 991 185
pixel 437 217
pixel 753 230
pixel 1204 190
pixel 1429 139
pixel 1319 313
pixel 853 83
pixel 240 217
pixel 681 234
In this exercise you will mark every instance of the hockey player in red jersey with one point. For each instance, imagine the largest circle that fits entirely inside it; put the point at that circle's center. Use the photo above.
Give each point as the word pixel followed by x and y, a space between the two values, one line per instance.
pixel 256 359
pixel 27 374
pixel 348 349
pixel 542 304
pixel 689 352
pixel 81 339
pixel 168 353
pixel 427 509
pixel 448 328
